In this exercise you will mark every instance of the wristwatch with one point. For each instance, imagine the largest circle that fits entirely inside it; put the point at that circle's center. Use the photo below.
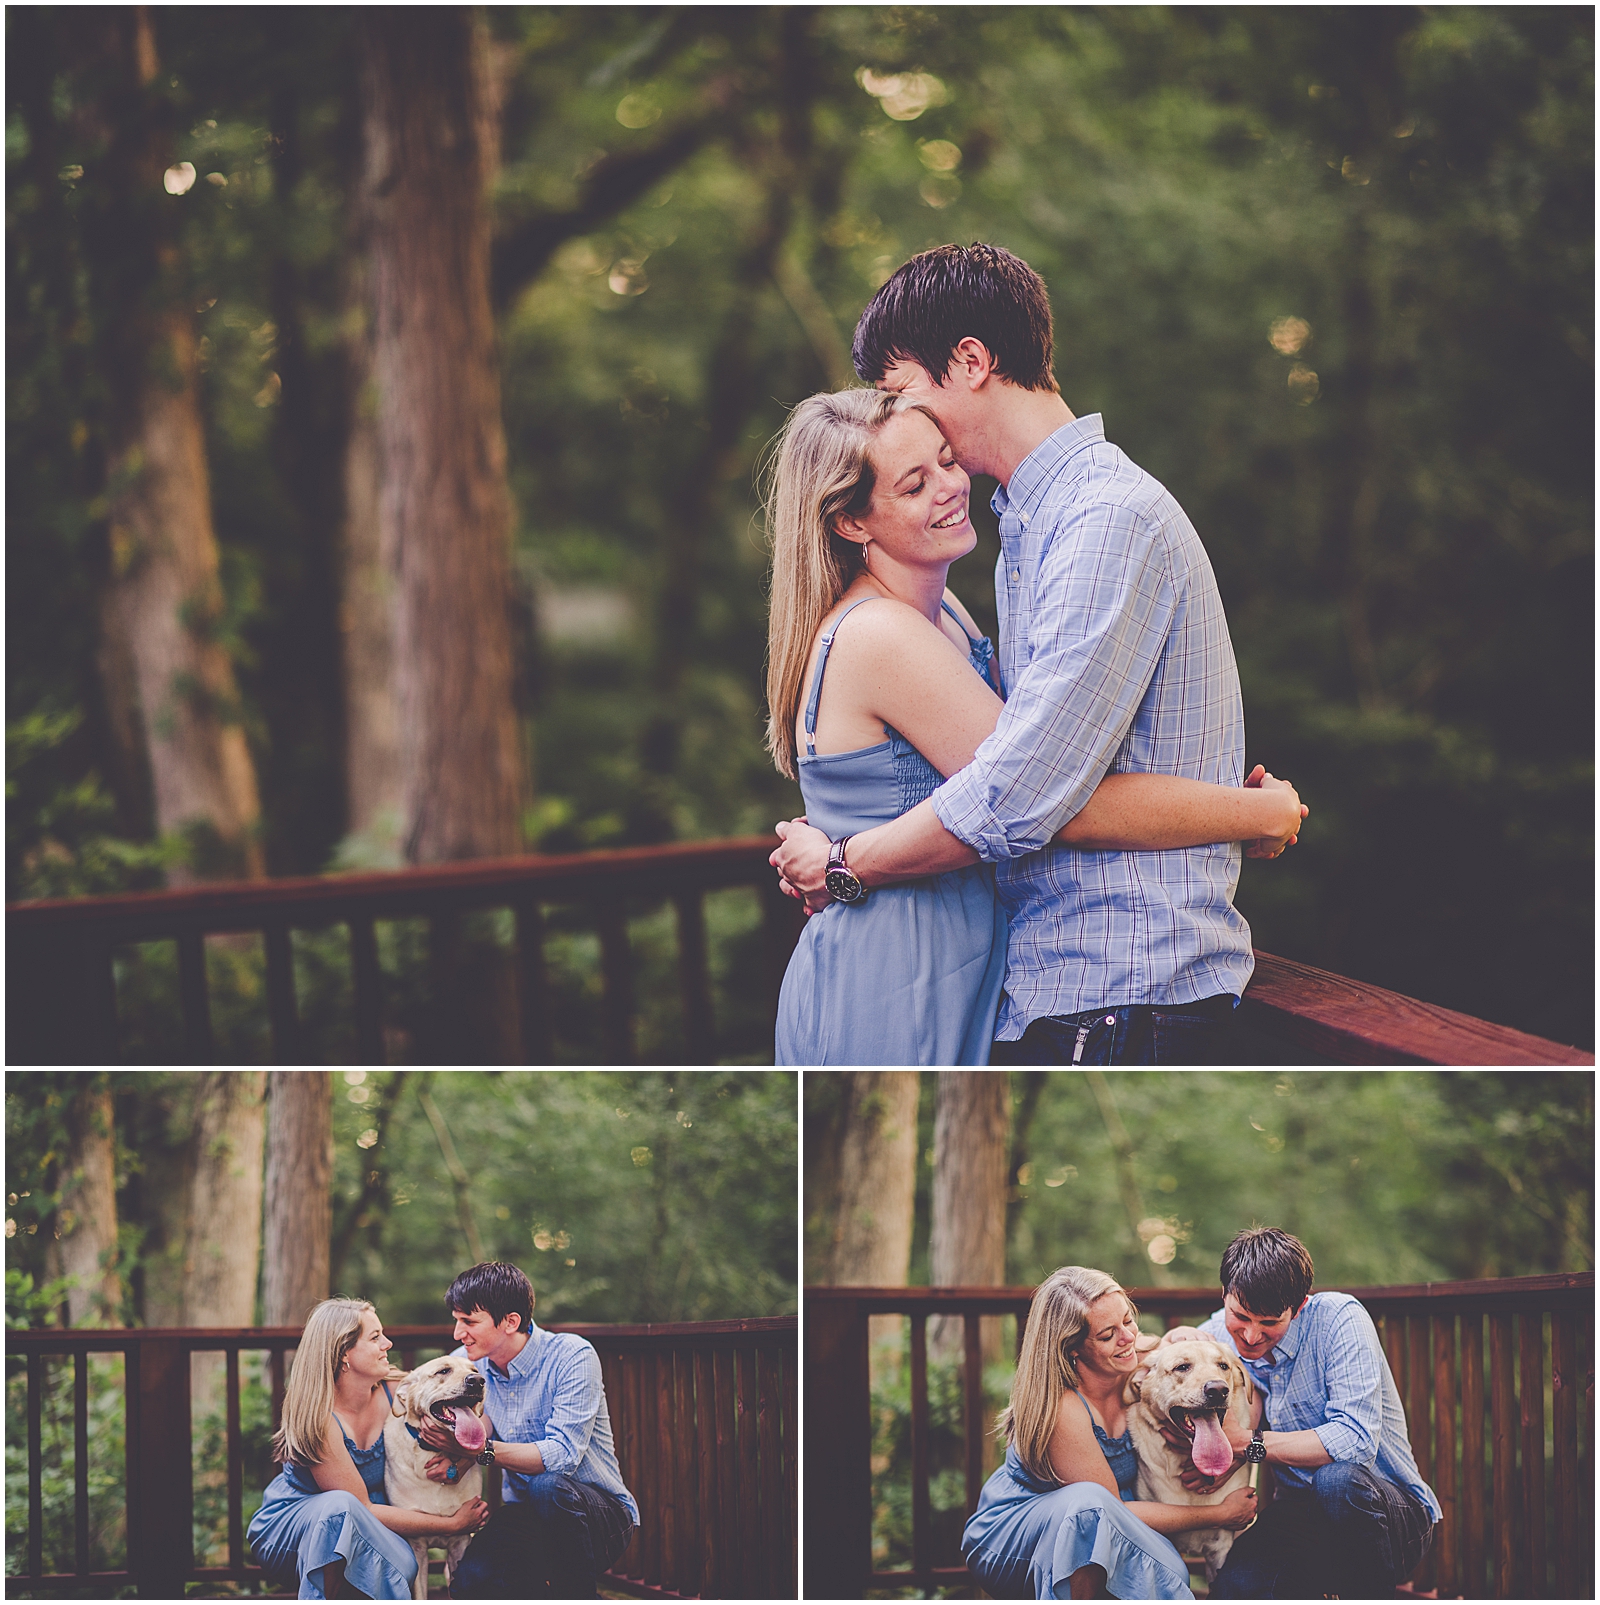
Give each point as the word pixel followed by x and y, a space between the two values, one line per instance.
pixel 1255 1451
pixel 842 883
pixel 487 1457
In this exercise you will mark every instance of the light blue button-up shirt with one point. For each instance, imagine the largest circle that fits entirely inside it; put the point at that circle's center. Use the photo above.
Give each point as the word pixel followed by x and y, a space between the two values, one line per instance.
pixel 552 1395
pixel 1114 653
pixel 1328 1374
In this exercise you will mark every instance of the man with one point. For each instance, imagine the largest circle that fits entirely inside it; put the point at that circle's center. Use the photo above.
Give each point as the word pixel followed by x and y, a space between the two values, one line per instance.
pixel 1114 654
pixel 1352 1515
pixel 567 1515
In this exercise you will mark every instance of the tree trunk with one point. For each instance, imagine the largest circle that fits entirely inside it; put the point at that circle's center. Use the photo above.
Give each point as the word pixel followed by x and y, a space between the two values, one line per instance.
pixel 444 508
pixel 87 1214
pixel 164 602
pixel 877 1180
pixel 299 1215
pixel 372 724
pixel 225 1203
pixel 967 1243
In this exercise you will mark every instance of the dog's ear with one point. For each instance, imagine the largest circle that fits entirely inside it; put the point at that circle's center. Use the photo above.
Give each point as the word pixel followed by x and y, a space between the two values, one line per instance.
pixel 402 1400
pixel 1135 1385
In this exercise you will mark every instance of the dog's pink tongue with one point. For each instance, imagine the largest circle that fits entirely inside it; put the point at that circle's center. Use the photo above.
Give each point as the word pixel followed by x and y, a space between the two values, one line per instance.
pixel 1213 1454
pixel 471 1435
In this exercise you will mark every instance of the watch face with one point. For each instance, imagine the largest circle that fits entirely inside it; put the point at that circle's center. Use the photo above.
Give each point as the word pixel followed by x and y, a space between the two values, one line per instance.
pixel 842 886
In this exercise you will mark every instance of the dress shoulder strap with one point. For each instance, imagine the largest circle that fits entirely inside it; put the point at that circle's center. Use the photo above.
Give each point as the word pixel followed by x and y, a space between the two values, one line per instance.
pixel 959 625
pixel 822 664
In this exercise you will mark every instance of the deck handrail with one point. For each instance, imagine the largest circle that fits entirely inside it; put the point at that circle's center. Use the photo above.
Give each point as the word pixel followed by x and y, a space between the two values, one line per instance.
pixel 63 990
pixel 703 1415
pixel 1477 1429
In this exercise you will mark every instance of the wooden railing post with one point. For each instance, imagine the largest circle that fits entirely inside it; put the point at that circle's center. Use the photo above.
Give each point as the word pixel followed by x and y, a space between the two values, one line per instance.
pixel 533 1006
pixel 198 1045
pixel 281 1014
pixel 160 1467
pixel 366 982
pixel 694 979
pixel 838 1438
pixel 616 966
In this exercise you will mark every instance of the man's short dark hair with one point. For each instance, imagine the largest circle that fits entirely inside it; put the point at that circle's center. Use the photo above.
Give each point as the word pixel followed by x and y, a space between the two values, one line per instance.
pixel 936 300
pixel 495 1287
pixel 1266 1270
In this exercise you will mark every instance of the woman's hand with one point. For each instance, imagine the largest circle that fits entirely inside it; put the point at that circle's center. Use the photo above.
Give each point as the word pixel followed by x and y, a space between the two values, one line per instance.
pixel 469 1517
pixel 1236 1512
pixel 1293 812
pixel 441 1468
pixel 802 860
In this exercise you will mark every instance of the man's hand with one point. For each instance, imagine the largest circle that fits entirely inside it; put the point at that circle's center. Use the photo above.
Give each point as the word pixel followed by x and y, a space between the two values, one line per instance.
pixel 802 860
pixel 437 1435
pixel 1295 811
pixel 1182 1334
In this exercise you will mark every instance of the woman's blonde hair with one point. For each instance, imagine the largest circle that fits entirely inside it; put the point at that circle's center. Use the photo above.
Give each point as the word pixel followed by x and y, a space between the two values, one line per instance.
pixel 818 470
pixel 332 1329
pixel 1047 1369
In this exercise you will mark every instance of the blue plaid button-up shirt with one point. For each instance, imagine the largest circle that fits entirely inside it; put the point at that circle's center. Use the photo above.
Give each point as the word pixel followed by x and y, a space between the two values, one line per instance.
pixel 1114 654
pixel 1328 1374
pixel 552 1395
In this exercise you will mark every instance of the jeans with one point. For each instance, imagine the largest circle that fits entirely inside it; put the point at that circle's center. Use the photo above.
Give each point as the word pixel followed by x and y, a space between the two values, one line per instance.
pixel 1351 1533
pixel 1138 1033
pixel 551 1545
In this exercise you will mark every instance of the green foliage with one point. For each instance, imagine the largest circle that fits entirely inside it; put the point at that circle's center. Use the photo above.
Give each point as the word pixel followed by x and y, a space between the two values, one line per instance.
pixel 1326 273
pixel 625 1196
pixel 1388 1177
pixel 106 1470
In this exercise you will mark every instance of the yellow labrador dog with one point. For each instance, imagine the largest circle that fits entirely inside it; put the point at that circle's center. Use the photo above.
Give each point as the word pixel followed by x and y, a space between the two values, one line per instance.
pixel 1189 1388
pixel 451 1391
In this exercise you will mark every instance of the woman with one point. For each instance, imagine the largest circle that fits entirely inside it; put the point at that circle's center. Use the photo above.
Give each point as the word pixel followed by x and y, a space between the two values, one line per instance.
pixel 872 707
pixel 1060 1513
pixel 326 1518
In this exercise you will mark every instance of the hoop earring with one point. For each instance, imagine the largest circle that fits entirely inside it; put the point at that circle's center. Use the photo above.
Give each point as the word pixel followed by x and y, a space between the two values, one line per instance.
pixel 866 562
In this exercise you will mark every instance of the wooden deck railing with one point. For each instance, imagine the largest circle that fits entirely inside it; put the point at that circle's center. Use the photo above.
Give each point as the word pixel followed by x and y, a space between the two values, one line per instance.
pixel 62 996
pixel 1503 1433
pixel 62 990
pixel 703 1413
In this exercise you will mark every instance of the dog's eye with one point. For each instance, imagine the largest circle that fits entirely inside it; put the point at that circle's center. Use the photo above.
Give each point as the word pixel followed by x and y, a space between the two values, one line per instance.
pixel 1184 1367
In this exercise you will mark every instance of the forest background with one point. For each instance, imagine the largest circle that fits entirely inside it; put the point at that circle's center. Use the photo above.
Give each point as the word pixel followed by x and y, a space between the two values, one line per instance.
pixel 996 1178
pixel 1326 272
pixel 241 1198
pixel 154 1199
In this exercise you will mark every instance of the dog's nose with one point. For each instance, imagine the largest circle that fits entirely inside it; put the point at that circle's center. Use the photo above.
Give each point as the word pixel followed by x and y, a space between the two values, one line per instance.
pixel 1216 1393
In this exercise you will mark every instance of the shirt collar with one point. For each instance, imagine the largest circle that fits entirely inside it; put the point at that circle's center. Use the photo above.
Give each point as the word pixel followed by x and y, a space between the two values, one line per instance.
pixel 1026 489
pixel 522 1364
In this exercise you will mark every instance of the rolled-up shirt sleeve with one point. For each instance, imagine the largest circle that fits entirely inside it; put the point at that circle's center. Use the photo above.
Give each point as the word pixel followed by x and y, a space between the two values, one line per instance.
pixel 1354 1408
pixel 1104 602
pixel 579 1392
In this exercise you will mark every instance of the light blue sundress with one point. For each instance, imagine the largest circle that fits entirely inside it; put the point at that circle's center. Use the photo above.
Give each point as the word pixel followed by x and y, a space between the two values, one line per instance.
pixel 300 1529
pixel 913 974
pixel 1027 1537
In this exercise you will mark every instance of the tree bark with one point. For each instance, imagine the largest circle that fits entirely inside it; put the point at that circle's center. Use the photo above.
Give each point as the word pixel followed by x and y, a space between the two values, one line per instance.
pixel 373 791
pixel 967 1243
pixel 164 602
pixel 444 508
pixel 87 1214
pixel 299 1209
pixel 225 1203
pixel 877 1180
